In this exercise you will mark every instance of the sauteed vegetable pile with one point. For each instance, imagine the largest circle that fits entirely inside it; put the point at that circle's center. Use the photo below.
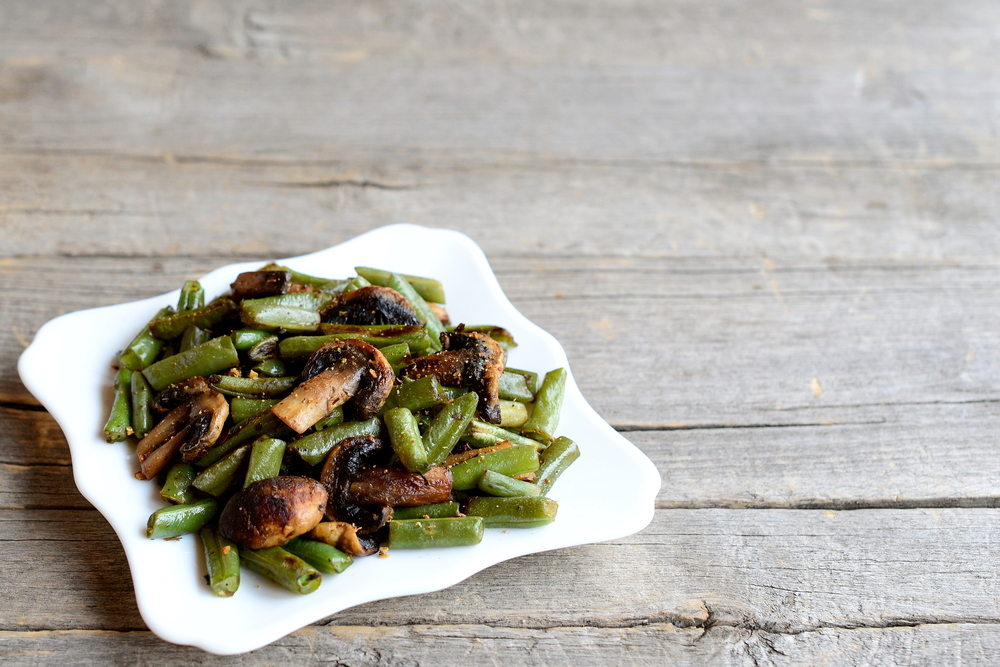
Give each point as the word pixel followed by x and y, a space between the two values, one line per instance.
pixel 298 422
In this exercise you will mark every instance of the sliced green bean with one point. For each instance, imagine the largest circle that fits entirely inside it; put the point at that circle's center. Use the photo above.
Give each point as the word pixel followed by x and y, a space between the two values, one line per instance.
pixel 314 447
pixel 530 377
pixel 428 288
pixel 171 326
pixel 314 301
pixel 431 533
pixel 214 356
pixel 544 418
pixel 177 485
pixel 245 339
pixel 496 484
pixel 448 426
pixel 119 424
pixel 216 479
pixel 357 282
pixel 553 460
pixel 379 335
pixel 424 312
pixel 499 334
pixel 418 394
pixel 320 555
pixel 482 434
pixel 222 558
pixel 192 296
pixel 193 337
pixel 514 387
pixel 180 519
pixel 305 279
pixel 512 414
pixel 404 434
pixel 142 401
pixel 258 387
pixel 335 417
pixel 289 318
pixel 283 568
pixel 265 459
pixel 248 430
pixel 272 368
pixel 509 461
pixel 433 511
pixel 520 512
pixel 398 355
pixel 144 347
pixel 244 408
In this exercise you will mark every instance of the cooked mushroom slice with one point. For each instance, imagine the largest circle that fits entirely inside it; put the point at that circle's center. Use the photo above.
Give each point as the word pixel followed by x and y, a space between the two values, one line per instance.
pixel 370 305
pixel 472 360
pixel 179 393
pixel 346 462
pixel 398 487
pixel 272 511
pixel 335 373
pixel 344 536
pixel 254 284
pixel 191 429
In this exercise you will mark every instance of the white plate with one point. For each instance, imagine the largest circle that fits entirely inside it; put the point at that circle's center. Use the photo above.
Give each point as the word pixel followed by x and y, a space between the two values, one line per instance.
pixel 169 585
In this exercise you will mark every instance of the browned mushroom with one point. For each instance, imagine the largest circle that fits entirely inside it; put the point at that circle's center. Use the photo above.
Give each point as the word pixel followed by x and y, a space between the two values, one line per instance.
pixel 337 372
pixel 344 463
pixel 254 284
pixel 397 487
pixel 345 537
pixel 370 305
pixel 272 511
pixel 191 429
pixel 179 393
pixel 472 360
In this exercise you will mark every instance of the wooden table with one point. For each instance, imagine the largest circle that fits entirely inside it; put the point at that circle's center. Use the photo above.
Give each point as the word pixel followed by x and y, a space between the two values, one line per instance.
pixel 766 234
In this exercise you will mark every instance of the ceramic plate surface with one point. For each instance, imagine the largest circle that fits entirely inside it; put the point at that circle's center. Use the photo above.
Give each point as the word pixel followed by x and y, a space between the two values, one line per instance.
pixel 76 390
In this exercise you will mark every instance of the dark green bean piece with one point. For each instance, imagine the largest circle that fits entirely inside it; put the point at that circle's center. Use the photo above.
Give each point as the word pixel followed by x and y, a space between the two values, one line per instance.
pixel 119 424
pixel 415 395
pixel 398 355
pixel 180 519
pixel 193 337
pixel 258 387
pixel 314 447
pixel 222 558
pixel 216 355
pixel 553 460
pixel 521 512
pixel 192 296
pixel 513 387
pixel 143 349
pixel 431 533
pixel 283 568
pixel 544 418
pixel 245 339
pixel 248 430
pixel 142 400
pixel 499 334
pixel 404 434
pixel 357 282
pixel 265 349
pixel 171 326
pixel 448 426
pixel 244 408
pixel 314 301
pixel 512 414
pixel 428 288
pixel 177 485
pixel 496 484
pixel 289 318
pixel 304 279
pixel 510 461
pixel 433 511
pixel 379 335
pixel 335 417
pixel 265 459
pixel 424 312
pixel 272 368
pixel 216 479
pixel 320 555
pixel 482 434
pixel 530 377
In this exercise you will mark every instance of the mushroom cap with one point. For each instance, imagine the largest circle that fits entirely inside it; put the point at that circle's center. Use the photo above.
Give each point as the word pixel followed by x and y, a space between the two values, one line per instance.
pixel 272 511
pixel 345 462
pixel 191 428
pixel 370 305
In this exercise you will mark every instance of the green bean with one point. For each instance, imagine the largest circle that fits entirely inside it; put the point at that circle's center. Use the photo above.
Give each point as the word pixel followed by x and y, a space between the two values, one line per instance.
pixel 513 387
pixel 309 300
pixel 244 408
pixel 222 559
pixel 216 355
pixel 248 430
pixel 510 461
pixel 171 326
pixel 192 296
pixel 265 459
pixel 499 334
pixel 314 447
pixel 305 279
pixel 544 418
pixel 531 378
pixel 398 355
pixel 379 335
pixel 119 424
pixel 177 485
pixel 404 434
pixel 144 347
pixel 512 414
pixel 320 555
pixel 259 387
pixel 428 288
pixel 193 337
pixel 448 426
pixel 245 339
pixel 432 511
pixel 289 318
pixel 496 484
pixel 180 519
pixel 283 568
pixel 424 312
pixel 553 460
pixel 272 368
pixel 357 282
pixel 142 400
pixel 216 479
pixel 519 512
pixel 482 434
pixel 417 395
pixel 430 533
pixel 335 417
